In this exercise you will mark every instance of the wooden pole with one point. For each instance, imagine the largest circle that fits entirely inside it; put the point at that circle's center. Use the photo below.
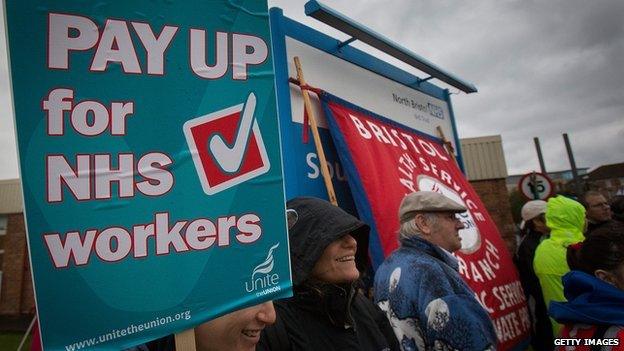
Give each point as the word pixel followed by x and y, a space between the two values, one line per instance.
pixel 185 340
pixel 447 144
pixel 317 138
pixel 30 327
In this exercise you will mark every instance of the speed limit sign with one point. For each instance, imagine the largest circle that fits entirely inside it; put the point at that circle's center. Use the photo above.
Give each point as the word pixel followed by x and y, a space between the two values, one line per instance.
pixel 535 186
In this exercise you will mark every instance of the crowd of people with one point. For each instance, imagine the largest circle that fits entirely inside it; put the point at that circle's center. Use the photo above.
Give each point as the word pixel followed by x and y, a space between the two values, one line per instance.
pixel 570 261
pixel 571 265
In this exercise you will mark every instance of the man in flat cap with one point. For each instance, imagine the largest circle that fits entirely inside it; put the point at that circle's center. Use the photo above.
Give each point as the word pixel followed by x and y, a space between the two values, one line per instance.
pixel 428 304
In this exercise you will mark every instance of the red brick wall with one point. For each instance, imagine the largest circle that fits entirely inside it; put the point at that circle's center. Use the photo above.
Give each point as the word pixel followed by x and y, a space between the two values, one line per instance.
pixel 16 296
pixel 28 293
pixel 495 197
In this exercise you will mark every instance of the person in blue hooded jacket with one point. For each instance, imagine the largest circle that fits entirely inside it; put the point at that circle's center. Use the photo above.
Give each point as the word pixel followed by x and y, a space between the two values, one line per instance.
pixel 594 289
pixel 428 304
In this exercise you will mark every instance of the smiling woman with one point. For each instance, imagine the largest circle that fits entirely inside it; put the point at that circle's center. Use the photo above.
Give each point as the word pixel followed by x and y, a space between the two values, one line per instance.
pixel 327 246
pixel 235 331
pixel 337 264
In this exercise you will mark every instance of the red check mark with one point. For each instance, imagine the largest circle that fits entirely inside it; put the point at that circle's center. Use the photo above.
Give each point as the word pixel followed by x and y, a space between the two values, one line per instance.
pixel 228 157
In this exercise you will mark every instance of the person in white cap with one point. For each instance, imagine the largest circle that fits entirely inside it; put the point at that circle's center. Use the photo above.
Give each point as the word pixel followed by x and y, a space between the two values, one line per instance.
pixel 533 219
pixel 428 304
pixel 534 228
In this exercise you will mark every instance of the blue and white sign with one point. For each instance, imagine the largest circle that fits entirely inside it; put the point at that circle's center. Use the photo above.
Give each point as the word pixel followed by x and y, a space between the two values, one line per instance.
pixel 150 159
pixel 355 76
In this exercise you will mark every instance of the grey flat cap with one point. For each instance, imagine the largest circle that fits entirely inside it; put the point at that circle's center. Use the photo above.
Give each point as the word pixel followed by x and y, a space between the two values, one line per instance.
pixel 427 201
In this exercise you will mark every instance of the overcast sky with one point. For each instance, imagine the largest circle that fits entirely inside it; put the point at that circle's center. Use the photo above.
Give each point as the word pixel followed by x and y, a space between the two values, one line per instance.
pixel 542 68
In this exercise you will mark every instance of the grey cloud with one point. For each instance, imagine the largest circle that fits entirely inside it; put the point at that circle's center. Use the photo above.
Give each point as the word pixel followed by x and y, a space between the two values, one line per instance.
pixel 542 68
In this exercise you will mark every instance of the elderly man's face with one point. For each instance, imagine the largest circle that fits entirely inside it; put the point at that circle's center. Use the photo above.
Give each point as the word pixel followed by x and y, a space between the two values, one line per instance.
pixel 235 331
pixel 443 231
pixel 598 209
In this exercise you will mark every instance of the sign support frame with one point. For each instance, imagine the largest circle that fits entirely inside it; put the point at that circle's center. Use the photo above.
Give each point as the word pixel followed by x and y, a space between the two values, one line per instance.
pixel 317 138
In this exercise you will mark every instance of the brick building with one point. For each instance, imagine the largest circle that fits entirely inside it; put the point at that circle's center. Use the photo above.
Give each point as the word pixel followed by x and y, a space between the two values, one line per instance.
pixel 486 170
pixel 17 303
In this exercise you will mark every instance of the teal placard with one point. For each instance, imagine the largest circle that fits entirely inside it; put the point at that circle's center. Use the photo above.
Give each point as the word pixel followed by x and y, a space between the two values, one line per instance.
pixel 150 161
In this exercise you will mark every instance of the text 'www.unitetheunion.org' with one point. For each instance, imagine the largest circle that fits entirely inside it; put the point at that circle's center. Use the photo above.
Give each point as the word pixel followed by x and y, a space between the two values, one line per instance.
pixel 131 329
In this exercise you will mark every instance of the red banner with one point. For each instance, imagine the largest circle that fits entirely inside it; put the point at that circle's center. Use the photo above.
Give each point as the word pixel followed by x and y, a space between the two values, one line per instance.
pixel 385 161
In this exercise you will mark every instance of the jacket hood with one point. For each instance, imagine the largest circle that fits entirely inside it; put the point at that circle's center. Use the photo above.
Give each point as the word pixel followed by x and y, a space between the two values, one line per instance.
pixel 590 301
pixel 318 224
pixel 566 220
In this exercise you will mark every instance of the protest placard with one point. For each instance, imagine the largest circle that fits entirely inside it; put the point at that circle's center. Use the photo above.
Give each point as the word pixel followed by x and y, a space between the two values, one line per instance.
pixel 150 162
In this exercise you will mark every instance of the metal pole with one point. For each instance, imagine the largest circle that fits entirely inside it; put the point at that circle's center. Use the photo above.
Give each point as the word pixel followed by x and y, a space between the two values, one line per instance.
pixel 533 183
pixel 539 155
pixel 577 183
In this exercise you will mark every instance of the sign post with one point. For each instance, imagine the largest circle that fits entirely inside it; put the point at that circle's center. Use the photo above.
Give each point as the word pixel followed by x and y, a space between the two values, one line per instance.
pixel 317 139
pixel 150 162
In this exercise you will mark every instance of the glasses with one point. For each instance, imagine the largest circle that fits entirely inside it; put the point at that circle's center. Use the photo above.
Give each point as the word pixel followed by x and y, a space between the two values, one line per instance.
pixel 600 204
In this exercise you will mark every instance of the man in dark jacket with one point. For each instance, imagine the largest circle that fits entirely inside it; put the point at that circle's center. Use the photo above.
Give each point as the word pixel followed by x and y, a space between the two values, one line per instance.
pixel 428 304
pixel 617 208
pixel 327 246
pixel 598 211
pixel 535 230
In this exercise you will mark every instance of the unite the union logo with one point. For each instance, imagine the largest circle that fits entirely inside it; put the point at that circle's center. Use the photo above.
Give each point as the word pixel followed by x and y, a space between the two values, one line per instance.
pixel 262 280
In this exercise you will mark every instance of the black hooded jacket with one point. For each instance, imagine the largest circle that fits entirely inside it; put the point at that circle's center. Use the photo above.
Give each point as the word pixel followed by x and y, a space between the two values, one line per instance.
pixel 325 316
